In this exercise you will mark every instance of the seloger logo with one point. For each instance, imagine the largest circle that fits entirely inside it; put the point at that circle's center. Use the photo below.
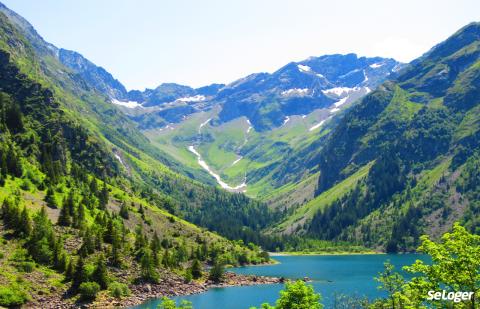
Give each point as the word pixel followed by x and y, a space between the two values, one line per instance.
pixel 444 295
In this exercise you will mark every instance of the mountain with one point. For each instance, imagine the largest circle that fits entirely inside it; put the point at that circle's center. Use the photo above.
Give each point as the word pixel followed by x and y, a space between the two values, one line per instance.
pixel 245 130
pixel 302 97
pixel 86 200
pixel 301 87
pixel 265 99
pixel 402 162
pixel 92 74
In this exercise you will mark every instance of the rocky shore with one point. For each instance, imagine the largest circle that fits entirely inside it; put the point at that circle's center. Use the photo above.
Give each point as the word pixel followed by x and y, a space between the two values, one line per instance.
pixel 170 285
pixel 176 286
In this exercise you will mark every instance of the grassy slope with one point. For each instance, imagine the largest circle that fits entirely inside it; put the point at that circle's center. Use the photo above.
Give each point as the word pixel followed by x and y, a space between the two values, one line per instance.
pixel 305 212
pixel 220 146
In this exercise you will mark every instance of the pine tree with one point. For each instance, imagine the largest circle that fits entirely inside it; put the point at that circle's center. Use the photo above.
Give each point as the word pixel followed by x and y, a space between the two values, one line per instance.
pixel 124 211
pixel 103 197
pixel 42 238
pixel 69 270
pixel 25 223
pixel 216 272
pixel 109 232
pixel 116 248
pixel 155 247
pixel 2 178
pixel 148 271
pixel 196 269
pixel 80 215
pixel 100 274
pixel 139 238
pixel 79 274
pixel 50 198
pixel 64 218
pixel 88 245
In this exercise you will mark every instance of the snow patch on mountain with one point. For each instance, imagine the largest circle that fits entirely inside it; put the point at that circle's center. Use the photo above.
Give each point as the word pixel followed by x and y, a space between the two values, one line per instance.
pixel 318 125
pixel 376 65
pixel 366 77
pixel 341 102
pixel 295 92
pixel 203 124
pixel 236 161
pixel 304 68
pixel 240 188
pixel 128 104
pixel 348 73
pixel 340 91
pixel 197 98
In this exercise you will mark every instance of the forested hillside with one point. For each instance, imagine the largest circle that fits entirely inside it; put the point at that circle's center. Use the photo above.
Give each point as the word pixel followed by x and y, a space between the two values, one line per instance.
pixel 409 153
pixel 86 202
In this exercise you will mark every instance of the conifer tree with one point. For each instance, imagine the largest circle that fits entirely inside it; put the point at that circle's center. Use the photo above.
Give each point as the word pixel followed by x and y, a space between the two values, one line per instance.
pixel 25 223
pixel 155 247
pixel 148 271
pixel 124 211
pixel 216 272
pixel 116 254
pixel 50 198
pixel 64 219
pixel 42 239
pixel 100 274
pixel 69 270
pixel 79 274
pixel 196 269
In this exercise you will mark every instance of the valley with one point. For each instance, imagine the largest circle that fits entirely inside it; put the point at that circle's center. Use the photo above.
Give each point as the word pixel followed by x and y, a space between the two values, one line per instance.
pixel 111 195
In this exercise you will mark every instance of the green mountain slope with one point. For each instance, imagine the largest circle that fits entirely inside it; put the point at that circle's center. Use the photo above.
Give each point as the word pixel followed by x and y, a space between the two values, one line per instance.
pixel 86 198
pixel 421 131
pixel 130 151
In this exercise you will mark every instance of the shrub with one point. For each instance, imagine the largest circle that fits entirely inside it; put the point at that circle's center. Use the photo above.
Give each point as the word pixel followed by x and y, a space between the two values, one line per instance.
pixel 26 267
pixel 216 272
pixel 118 290
pixel 89 290
pixel 188 276
pixel 12 296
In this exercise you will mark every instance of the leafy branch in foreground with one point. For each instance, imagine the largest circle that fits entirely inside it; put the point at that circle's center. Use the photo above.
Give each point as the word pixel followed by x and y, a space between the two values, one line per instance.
pixel 455 267
pixel 296 295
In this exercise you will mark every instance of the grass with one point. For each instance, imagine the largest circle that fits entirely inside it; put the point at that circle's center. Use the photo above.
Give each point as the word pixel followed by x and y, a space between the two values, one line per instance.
pixel 309 209
pixel 469 125
pixel 221 145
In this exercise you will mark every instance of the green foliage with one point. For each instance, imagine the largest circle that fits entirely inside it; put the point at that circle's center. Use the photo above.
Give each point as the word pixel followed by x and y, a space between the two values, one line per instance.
pixel 170 304
pixel 16 219
pixel 100 274
pixel 296 295
pixel 216 272
pixel 12 295
pixel 392 283
pixel 148 267
pixel 42 242
pixel 88 290
pixel 118 290
pixel 79 274
pixel 454 267
pixel 124 211
pixel 196 269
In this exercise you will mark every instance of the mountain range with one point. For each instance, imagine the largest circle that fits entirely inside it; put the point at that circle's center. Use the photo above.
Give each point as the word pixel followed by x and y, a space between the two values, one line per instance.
pixel 101 186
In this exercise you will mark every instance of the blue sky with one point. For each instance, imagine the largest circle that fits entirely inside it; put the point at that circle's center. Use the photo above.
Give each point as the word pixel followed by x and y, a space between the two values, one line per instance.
pixel 144 43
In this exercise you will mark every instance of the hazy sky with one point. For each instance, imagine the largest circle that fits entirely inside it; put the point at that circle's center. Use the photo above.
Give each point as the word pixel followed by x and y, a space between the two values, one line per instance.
pixel 144 43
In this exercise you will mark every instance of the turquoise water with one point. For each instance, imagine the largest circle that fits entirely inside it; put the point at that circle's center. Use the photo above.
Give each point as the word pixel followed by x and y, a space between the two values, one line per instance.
pixel 347 274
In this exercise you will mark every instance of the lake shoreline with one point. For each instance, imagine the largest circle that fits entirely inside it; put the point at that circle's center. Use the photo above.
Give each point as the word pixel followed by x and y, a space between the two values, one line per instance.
pixel 273 254
pixel 143 293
